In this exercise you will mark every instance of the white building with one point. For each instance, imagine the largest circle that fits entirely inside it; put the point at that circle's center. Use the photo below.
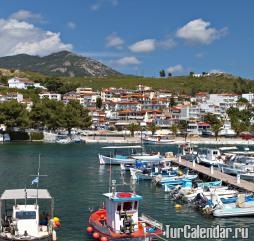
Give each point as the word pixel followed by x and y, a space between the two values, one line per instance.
pixel 23 83
pixel 11 96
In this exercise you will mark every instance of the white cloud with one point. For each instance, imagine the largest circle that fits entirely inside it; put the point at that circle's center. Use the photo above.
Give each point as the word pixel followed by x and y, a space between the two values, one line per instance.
pixel 99 3
pixel 167 43
pixel 128 61
pixel 26 15
pixel 199 31
pixel 146 45
pixel 18 37
pixel 176 68
pixel 200 55
pixel 114 41
pixel 71 25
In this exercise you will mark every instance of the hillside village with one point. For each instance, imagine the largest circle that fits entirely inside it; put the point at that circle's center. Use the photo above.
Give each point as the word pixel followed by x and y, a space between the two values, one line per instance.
pixel 116 109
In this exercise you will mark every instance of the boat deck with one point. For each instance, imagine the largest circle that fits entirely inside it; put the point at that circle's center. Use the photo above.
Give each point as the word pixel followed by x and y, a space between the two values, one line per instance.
pixel 228 179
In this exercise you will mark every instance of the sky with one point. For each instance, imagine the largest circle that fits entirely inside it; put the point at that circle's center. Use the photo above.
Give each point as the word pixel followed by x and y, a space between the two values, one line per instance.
pixel 138 37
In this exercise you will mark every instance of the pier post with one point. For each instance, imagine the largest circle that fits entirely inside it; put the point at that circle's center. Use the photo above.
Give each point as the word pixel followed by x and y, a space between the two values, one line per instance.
pixel 179 159
pixel 194 162
pixel 238 178
pixel 212 169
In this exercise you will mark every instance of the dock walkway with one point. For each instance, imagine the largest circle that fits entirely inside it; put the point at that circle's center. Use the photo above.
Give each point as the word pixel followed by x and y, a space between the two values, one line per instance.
pixel 228 179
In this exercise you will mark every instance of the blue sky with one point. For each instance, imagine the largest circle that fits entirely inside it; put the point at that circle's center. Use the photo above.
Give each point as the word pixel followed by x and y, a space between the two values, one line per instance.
pixel 136 36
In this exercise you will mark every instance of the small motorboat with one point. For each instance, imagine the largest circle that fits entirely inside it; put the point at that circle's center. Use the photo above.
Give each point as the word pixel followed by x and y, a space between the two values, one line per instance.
pixel 243 206
pixel 208 157
pixel 157 140
pixel 119 219
pixel 174 180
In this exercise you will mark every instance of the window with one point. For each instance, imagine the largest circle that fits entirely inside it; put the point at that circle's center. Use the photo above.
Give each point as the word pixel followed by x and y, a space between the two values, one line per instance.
pixel 119 207
pixel 26 215
pixel 135 205
pixel 127 206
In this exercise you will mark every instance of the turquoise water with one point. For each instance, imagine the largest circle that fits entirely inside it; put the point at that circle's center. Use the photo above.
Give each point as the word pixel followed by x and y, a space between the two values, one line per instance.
pixel 76 181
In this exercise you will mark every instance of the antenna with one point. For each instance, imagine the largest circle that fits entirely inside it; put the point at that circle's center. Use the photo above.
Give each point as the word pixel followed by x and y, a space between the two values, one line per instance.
pixel 36 180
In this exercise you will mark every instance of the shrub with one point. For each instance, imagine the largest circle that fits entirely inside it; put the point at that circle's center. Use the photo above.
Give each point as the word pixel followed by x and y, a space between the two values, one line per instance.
pixel 36 136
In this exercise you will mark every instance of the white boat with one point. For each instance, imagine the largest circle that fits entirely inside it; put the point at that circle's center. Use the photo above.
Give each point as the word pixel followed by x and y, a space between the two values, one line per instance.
pixel 1 138
pixel 126 155
pixel 242 165
pixel 63 139
pixel 24 221
pixel 157 140
pixel 208 157
pixel 237 209
pixel 220 191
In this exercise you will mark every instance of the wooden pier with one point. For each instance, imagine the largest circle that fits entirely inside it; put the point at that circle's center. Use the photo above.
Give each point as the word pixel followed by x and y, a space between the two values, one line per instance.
pixel 216 174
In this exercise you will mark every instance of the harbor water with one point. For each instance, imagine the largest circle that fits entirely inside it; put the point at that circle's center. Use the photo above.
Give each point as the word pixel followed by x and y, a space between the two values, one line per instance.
pixel 76 181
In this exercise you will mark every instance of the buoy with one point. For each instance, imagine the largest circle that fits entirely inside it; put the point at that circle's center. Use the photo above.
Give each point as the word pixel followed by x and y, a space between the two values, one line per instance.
pixel 96 235
pixel 178 206
pixel 89 229
pixel 56 219
pixel 58 224
pixel 104 239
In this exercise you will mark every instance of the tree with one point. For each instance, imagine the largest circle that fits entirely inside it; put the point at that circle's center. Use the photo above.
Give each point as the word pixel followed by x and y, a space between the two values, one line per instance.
pixel 169 74
pixel 132 128
pixel 98 102
pixel 238 126
pixel 152 127
pixel 216 128
pixel 174 129
pixel 39 114
pixel 172 101
pixel 162 73
pixel 212 118
pixel 76 116
pixel 14 114
pixel 191 74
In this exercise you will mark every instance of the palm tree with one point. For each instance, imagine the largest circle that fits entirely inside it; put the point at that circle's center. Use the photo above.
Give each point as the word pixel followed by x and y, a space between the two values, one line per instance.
pixel 132 128
pixel 216 128
pixel 152 127
pixel 174 129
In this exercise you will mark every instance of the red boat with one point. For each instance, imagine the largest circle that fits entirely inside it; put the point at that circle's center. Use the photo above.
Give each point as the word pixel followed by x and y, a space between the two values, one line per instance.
pixel 119 220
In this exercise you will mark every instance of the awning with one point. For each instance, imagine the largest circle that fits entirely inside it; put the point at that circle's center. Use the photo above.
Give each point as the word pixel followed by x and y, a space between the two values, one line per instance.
pixel 29 193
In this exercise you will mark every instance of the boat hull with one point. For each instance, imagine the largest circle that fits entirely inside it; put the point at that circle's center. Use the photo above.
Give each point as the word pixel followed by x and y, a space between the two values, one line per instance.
pixel 104 160
pixel 233 212
pixel 47 238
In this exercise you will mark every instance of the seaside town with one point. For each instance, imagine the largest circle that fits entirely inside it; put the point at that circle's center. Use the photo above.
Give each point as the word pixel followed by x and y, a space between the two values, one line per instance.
pixel 126 120
pixel 160 112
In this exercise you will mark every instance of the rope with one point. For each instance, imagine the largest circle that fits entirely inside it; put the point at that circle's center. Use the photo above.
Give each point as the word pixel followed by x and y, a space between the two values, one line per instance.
pixel 160 237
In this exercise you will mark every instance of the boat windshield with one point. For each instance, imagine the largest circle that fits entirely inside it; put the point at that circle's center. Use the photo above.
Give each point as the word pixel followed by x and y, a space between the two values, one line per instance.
pixel 26 215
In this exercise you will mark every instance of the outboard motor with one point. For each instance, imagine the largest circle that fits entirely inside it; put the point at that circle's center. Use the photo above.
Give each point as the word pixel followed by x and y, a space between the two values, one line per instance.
pixel 200 200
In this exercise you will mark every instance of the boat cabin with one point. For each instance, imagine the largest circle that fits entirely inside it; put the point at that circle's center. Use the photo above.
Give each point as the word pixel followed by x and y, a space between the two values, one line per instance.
pixel 122 211
pixel 24 219
pixel 210 154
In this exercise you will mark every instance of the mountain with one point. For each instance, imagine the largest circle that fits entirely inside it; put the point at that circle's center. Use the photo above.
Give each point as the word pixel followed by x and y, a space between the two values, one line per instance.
pixel 62 63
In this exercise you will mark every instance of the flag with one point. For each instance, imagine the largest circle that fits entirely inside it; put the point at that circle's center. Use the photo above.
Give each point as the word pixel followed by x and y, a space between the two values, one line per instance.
pixel 35 181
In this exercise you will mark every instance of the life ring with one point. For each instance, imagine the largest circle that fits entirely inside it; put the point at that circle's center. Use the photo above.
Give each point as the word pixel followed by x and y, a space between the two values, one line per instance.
pixel 124 194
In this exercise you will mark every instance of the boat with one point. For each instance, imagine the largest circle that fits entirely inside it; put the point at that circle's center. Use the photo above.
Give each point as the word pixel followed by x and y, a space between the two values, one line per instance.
pixel 126 155
pixel 208 157
pixel 242 165
pixel 21 215
pixel 174 180
pixel 25 221
pixel 63 139
pixel 157 140
pixel 241 207
pixel 120 220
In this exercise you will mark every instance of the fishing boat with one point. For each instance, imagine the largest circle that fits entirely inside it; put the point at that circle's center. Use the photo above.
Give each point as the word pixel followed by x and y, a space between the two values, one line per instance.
pixel 120 220
pixel 208 157
pixel 22 217
pixel 241 207
pixel 157 140
pixel 25 221
pixel 126 155
pixel 174 180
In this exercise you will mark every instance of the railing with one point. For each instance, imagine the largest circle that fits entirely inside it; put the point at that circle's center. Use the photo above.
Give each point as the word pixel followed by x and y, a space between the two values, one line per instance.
pixel 151 221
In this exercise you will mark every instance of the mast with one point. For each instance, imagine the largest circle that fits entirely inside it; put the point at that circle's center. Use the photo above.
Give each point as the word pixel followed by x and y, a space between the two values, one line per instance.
pixel 37 178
